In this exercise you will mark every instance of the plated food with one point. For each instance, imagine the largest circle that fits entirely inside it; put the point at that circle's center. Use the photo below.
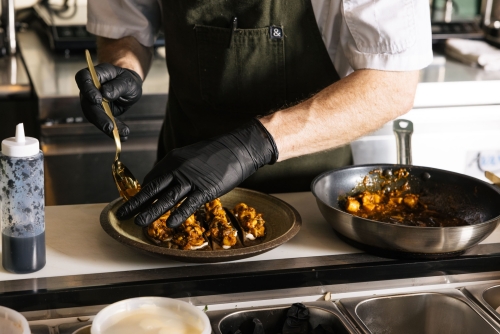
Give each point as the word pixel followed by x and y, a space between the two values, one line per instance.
pixel 397 204
pixel 283 222
pixel 220 230
pixel 250 221
pixel 187 236
pixel 210 228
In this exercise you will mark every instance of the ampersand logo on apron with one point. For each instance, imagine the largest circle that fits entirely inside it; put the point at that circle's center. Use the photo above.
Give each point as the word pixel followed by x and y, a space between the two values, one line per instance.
pixel 276 32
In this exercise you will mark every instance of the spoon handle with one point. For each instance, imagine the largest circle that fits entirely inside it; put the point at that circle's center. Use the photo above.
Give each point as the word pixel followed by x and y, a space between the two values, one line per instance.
pixel 492 177
pixel 105 105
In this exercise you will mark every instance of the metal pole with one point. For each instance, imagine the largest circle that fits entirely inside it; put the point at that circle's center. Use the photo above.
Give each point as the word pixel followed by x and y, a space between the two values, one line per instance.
pixel 11 27
pixel 487 11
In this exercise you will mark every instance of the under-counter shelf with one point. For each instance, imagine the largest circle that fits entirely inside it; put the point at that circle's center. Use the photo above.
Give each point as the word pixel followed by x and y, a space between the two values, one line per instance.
pixel 443 308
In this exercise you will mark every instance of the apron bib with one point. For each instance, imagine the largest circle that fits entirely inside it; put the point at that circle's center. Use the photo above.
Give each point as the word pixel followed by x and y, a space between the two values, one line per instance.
pixel 234 60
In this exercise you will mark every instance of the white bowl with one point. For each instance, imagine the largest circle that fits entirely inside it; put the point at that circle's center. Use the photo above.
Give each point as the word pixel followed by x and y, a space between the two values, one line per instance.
pixel 144 313
pixel 13 322
pixel 82 330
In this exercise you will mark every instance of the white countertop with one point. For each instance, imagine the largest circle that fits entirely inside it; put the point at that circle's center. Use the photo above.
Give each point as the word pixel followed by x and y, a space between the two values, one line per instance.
pixel 447 82
pixel 76 243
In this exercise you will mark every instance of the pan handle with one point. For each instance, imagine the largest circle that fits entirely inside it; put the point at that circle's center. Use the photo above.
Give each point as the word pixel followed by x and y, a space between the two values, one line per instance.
pixel 403 129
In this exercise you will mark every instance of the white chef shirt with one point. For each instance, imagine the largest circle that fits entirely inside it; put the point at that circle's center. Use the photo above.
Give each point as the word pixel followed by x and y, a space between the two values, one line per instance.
pixel 391 35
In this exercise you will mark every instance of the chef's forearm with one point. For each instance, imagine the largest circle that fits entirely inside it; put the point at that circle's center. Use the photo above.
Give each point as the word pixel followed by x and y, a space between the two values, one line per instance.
pixel 344 111
pixel 125 52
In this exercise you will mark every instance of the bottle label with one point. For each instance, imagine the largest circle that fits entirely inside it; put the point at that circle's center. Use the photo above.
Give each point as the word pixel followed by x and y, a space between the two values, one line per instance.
pixel 22 204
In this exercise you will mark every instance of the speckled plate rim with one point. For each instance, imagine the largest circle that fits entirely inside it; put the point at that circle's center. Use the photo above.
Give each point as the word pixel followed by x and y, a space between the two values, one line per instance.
pixel 209 256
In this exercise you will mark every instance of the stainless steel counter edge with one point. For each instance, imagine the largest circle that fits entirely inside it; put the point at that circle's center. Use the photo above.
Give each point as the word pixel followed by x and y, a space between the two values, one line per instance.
pixel 301 275
pixel 273 298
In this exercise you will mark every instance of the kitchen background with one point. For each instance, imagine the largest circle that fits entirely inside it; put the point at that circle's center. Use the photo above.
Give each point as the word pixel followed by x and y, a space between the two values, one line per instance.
pixel 456 113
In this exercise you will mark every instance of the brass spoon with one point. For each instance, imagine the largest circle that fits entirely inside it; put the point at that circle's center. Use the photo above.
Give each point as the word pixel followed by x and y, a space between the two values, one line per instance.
pixel 492 177
pixel 126 183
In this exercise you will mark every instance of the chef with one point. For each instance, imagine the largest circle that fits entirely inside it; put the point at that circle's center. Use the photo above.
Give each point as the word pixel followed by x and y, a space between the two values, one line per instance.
pixel 263 94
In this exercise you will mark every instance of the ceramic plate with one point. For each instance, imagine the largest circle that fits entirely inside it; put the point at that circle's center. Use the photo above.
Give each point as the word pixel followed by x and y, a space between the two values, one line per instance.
pixel 282 222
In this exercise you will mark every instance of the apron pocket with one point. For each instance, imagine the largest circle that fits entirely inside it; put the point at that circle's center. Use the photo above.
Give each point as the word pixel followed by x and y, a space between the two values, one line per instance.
pixel 243 72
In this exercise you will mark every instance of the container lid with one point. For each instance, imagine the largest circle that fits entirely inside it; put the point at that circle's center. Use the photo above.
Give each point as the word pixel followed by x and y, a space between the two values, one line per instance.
pixel 20 146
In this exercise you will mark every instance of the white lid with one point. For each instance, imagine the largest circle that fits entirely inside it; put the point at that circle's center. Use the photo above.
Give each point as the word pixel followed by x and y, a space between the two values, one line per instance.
pixel 20 146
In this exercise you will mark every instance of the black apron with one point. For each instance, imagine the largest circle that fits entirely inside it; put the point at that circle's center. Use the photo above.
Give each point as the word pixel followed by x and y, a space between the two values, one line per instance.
pixel 232 60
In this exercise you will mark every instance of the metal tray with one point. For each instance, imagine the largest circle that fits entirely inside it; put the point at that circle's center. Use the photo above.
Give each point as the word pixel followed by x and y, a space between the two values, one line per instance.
pixel 273 318
pixel 282 224
pixel 444 311
pixel 487 296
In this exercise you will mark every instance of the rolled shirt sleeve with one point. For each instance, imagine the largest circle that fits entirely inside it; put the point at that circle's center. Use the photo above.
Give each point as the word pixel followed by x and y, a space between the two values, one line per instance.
pixel 119 18
pixel 391 35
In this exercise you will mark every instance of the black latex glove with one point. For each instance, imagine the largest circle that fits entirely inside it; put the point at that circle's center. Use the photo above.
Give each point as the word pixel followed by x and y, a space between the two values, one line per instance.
pixel 259 328
pixel 120 86
pixel 297 320
pixel 200 173
pixel 323 329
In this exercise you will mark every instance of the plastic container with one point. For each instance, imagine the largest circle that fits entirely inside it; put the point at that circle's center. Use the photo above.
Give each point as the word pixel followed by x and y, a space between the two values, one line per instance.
pixel 83 330
pixel 151 315
pixel 13 322
pixel 22 206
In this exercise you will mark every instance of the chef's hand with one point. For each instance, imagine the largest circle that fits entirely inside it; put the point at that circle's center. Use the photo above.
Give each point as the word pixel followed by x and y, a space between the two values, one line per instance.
pixel 120 86
pixel 200 173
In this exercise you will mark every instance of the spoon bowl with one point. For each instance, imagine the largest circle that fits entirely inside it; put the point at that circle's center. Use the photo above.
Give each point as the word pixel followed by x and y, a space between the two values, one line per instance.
pixel 126 183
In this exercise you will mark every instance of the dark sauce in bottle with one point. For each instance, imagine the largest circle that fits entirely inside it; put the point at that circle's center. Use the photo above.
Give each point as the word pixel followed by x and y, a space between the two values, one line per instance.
pixel 25 254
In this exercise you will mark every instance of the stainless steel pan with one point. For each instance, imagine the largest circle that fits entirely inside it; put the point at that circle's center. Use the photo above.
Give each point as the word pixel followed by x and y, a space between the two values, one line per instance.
pixel 469 198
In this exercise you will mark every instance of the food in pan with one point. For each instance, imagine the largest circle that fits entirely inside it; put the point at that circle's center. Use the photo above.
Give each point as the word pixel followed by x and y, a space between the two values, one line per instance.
pixel 398 205
pixel 251 222
pixel 219 227
pixel 188 236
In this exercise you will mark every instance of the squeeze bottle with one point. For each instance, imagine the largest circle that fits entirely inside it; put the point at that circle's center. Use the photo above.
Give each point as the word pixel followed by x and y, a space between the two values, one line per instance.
pixel 22 204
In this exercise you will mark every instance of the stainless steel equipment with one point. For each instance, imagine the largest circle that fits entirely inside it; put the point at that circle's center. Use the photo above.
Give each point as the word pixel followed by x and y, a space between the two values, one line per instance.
pixel 471 197
pixel 9 26
pixel 17 104
pixel 273 318
pixel 490 11
pixel 378 307
pixel 487 296
pixel 449 19
pixel 444 311
pixel 64 26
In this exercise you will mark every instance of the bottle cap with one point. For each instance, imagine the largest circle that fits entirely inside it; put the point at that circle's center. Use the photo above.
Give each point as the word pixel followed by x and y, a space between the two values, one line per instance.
pixel 20 146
